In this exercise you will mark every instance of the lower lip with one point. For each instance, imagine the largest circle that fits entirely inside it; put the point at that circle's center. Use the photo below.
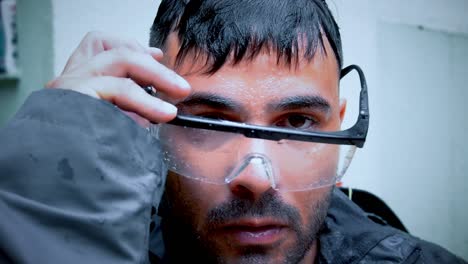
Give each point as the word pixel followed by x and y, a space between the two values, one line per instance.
pixel 256 236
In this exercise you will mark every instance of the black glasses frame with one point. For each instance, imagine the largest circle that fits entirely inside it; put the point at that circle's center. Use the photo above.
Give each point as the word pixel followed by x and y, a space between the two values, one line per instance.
pixel 356 135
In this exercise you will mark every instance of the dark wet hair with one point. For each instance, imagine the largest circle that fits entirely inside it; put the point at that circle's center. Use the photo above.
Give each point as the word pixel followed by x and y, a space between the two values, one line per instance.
pixel 231 31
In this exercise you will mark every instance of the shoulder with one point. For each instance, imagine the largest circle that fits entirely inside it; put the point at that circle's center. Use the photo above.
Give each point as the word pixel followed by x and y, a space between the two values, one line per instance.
pixel 432 253
pixel 350 231
pixel 401 247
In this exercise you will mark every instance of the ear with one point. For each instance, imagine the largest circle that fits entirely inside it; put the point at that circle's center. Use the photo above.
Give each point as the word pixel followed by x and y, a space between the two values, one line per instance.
pixel 342 109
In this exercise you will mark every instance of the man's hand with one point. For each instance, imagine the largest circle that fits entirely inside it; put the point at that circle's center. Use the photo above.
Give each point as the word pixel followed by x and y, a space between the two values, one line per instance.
pixel 114 69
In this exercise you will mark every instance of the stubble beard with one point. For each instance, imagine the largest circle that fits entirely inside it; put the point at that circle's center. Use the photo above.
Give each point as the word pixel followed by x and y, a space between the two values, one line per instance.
pixel 184 243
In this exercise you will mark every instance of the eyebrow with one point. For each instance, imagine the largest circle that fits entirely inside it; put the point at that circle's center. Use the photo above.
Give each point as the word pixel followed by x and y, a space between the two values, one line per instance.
pixel 221 103
pixel 210 100
pixel 300 102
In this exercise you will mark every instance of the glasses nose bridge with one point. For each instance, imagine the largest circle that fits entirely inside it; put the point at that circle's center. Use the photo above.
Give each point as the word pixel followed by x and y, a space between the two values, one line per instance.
pixel 255 172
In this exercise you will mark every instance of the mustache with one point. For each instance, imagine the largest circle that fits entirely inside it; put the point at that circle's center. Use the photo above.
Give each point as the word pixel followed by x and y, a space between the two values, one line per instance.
pixel 268 205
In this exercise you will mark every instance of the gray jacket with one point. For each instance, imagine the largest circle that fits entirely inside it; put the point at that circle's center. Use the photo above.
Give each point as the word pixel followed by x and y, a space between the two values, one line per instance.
pixel 78 179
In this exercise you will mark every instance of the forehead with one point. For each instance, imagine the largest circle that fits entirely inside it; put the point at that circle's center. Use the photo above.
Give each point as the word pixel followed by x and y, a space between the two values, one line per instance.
pixel 261 78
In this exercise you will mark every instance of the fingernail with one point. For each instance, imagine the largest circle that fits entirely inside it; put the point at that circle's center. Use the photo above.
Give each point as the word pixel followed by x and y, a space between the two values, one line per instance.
pixel 183 83
pixel 169 108
pixel 154 50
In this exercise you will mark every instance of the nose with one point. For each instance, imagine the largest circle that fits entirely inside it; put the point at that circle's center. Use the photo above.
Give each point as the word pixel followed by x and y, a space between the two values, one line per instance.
pixel 252 178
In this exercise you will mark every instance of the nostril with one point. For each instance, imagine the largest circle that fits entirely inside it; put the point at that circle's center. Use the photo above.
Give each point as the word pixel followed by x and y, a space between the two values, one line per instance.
pixel 252 177
pixel 242 192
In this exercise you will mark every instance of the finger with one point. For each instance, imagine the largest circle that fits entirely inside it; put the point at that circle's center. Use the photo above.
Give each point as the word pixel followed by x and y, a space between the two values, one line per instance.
pixel 142 68
pixel 96 42
pixel 143 122
pixel 156 53
pixel 84 86
pixel 124 93
pixel 129 96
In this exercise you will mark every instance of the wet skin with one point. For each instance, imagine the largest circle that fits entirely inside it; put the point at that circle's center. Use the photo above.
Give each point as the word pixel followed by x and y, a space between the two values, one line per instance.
pixel 246 220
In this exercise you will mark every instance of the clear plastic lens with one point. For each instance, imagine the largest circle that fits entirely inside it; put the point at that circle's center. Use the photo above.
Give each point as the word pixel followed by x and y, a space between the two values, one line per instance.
pixel 220 157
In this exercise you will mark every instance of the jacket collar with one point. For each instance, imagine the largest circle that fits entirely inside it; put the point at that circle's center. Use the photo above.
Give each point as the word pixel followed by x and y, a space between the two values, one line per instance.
pixel 348 235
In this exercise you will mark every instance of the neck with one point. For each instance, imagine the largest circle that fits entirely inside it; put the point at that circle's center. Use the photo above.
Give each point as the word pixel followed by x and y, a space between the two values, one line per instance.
pixel 311 255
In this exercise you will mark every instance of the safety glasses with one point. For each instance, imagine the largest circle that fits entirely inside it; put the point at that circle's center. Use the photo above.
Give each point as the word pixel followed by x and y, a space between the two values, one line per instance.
pixel 356 135
pixel 219 151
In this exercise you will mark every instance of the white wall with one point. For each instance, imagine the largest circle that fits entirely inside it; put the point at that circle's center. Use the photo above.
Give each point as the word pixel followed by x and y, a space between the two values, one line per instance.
pixel 359 21
pixel 362 23
pixel 422 176
pixel 73 19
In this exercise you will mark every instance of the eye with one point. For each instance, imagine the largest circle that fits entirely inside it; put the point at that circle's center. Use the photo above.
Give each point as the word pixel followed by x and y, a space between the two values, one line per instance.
pixel 297 121
pixel 212 116
pixel 215 116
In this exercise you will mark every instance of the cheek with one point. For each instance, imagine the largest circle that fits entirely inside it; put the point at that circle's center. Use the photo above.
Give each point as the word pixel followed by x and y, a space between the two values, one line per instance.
pixel 307 202
pixel 193 199
pixel 306 165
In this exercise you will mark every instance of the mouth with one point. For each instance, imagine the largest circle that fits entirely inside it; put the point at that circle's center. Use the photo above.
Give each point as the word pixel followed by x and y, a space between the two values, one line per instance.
pixel 255 232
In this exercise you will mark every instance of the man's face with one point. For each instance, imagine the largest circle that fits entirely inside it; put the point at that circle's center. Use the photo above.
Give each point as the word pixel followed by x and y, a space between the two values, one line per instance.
pixel 246 220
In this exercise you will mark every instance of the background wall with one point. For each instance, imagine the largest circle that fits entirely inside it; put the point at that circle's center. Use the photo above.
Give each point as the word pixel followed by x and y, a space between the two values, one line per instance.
pixel 413 52
pixel 35 51
pixel 73 19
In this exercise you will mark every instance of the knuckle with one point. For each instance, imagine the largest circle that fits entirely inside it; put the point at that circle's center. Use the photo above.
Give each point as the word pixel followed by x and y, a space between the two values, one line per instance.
pixel 134 45
pixel 128 84
pixel 120 91
pixel 126 87
pixel 52 83
pixel 94 35
pixel 63 82
pixel 94 72
pixel 125 57
pixel 121 54
pixel 122 51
